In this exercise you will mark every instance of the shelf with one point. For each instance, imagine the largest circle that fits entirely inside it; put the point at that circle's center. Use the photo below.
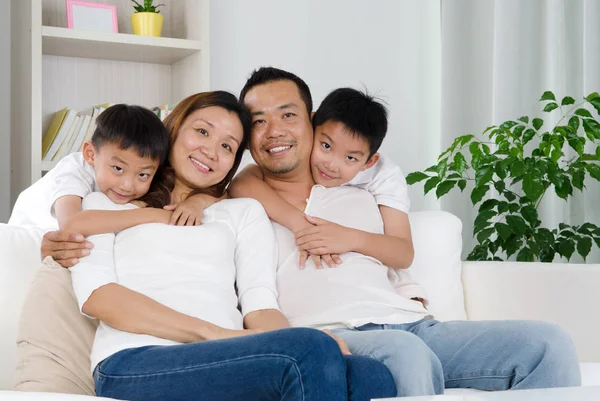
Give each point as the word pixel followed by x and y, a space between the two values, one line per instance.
pixel 116 46
pixel 47 166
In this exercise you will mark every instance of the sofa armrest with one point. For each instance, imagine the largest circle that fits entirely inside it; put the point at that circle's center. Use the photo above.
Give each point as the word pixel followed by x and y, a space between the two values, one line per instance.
pixel 565 294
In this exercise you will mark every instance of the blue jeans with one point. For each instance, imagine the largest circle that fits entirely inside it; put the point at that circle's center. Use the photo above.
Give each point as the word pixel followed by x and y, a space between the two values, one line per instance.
pixel 427 356
pixel 292 364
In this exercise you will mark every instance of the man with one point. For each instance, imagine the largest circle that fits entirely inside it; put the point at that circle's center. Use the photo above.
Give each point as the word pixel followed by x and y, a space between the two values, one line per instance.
pixel 355 300
pixel 424 355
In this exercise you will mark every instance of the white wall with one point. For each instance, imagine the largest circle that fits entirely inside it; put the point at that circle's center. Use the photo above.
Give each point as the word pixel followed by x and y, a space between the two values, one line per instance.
pixel 5 112
pixel 391 47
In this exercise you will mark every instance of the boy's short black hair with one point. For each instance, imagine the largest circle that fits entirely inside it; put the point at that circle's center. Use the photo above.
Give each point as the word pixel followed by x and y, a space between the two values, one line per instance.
pixel 265 75
pixel 132 127
pixel 361 114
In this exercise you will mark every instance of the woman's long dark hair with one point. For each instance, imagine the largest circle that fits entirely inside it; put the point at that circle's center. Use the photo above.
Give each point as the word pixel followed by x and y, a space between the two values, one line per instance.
pixel 159 194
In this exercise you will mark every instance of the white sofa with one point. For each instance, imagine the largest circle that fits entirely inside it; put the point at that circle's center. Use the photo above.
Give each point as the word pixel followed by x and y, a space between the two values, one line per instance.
pixel 566 294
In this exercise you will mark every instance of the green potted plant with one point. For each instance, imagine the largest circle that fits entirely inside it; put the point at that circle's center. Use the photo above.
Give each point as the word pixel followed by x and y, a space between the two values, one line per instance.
pixel 147 20
pixel 517 163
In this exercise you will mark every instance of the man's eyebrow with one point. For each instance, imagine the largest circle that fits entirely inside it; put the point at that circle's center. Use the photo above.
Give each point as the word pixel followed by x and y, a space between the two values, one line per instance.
pixel 288 106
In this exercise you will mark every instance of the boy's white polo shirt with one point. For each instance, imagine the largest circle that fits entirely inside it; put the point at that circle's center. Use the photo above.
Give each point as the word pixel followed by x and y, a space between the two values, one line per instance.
pixel 356 292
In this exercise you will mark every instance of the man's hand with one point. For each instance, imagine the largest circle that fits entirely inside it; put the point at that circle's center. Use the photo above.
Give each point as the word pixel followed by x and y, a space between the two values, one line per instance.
pixel 342 344
pixel 189 212
pixel 325 237
pixel 65 247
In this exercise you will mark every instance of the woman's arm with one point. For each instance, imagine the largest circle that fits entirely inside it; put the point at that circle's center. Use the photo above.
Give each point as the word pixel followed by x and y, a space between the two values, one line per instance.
pixel 130 311
pixel 256 270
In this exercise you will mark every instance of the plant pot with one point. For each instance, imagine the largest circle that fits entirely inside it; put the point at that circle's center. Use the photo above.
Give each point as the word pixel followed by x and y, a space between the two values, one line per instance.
pixel 146 24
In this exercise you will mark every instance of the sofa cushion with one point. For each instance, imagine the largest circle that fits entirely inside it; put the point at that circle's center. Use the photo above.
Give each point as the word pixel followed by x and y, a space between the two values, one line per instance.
pixel 20 257
pixel 54 338
pixel 437 265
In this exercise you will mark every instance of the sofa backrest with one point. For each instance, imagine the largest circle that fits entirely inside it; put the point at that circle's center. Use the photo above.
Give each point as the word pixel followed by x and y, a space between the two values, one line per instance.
pixel 19 259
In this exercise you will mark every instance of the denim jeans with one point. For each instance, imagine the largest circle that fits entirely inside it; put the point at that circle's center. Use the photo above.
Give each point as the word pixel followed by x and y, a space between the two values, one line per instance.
pixel 427 356
pixel 292 364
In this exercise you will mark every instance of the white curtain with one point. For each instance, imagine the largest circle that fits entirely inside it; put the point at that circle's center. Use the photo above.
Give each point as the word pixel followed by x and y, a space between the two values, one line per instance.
pixel 498 57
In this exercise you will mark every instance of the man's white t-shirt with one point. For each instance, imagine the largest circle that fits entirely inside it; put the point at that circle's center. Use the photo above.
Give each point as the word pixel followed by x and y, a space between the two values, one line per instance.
pixel 71 176
pixel 356 292
pixel 193 270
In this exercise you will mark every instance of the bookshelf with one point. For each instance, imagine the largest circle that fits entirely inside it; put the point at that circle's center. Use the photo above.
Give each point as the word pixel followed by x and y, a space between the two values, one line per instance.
pixel 56 67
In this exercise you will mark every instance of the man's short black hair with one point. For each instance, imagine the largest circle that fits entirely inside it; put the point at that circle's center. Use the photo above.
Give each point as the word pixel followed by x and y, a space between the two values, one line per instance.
pixel 266 75
pixel 361 114
pixel 132 127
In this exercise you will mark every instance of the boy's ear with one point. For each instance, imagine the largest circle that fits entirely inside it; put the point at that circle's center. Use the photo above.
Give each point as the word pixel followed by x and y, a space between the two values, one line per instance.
pixel 312 115
pixel 374 159
pixel 89 153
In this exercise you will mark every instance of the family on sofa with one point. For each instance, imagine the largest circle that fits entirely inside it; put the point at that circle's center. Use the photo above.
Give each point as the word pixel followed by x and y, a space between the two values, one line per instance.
pixel 198 294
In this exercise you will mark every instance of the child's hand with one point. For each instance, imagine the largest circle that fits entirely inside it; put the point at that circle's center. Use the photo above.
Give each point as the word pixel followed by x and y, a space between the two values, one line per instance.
pixel 330 260
pixel 189 212
pixel 326 238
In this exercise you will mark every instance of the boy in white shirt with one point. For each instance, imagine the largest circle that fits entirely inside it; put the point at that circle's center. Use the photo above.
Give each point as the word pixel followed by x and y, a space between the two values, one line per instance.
pixel 349 127
pixel 126 151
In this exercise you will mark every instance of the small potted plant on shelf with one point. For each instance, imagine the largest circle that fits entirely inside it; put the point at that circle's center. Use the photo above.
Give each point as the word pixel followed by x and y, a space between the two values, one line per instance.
pixel 146 20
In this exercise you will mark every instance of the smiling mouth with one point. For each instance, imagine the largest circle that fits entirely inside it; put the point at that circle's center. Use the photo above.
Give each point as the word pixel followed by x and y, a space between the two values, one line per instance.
pixel 279 149
pixel 326 176
pixel 201 166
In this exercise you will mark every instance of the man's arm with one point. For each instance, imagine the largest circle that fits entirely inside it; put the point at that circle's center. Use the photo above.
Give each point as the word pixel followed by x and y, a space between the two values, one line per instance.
pixel 93 222
pixel 65 247
pixel 249 183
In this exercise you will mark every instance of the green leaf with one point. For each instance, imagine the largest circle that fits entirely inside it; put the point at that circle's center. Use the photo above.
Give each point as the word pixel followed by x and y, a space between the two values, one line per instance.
pixel 517 168
pixel 566 247
pixel 565 189
pixel 465 139
pixel 478 193
pixel 483 175
pixel 567 100
pixel 533 186
pixel 524 119
pixel 502 207
pixel 517 224
pixel 592 127
pixel 537 123
pixel 485 234
pixel 460 163
pixel 431 183
pixel 583 113
pixel 530 215
pixel 504 230
pixel 578 178
pixel 462 184
pixel 501 170
pixel 508 125
pixel 500 186
pixel 584 246
pixel 483 217
pixel 574 123
pixel 444 188
pixel 510 197
pixel 442 167
pixel 480 252
pixel 525 255
pixel 416 177
pixel 547 96
pixel 594 171
pixel 598 152
pixel 594 99
pixel 512 245
pixel 550 106
pixel 488 205
pixel 544 237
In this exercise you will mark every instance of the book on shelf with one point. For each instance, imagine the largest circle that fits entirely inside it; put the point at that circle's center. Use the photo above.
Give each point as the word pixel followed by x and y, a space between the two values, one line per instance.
pixel 69 130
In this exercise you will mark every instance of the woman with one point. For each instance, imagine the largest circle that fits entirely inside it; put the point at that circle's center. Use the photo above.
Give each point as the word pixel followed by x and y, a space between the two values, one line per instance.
pixel 170 328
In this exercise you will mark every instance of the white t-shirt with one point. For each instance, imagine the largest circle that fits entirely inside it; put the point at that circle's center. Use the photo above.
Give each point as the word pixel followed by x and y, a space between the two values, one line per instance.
pixel 353 294
pixel 190 269
pixel 71 176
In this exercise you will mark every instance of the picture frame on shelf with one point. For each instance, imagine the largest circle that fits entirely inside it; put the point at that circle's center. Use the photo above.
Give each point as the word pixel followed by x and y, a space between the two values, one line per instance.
pixel 88 16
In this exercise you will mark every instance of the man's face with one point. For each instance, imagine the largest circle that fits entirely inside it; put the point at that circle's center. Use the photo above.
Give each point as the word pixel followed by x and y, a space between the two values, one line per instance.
pixel 282 135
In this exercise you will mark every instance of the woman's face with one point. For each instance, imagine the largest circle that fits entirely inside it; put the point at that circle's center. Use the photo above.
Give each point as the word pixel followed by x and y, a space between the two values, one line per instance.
pixel 206 145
